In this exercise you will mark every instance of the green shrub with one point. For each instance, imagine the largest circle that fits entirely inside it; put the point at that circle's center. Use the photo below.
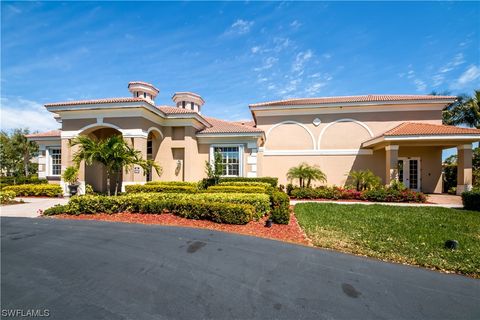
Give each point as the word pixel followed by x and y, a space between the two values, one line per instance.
pixel 56 209
pixel 45 190
pixel 238 189
pixel 471 200
pixel 377 195
pixel 135 188
pixel 391 195
pixel 231 213
pixel 270 180
pixel 70 175
pixel 6 196
pixel 245 184
pixel 260 202
pixel 207 182
pixel 9 181
pixel 172 183
pixel 280 207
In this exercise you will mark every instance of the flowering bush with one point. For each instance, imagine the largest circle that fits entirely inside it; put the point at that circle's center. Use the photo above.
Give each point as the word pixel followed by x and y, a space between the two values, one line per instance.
pixel 376 195
pixel 6 197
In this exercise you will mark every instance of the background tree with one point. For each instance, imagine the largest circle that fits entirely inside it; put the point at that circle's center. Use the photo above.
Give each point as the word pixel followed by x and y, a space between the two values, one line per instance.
pixel 113 153
pixel 16 153
pixel 465 111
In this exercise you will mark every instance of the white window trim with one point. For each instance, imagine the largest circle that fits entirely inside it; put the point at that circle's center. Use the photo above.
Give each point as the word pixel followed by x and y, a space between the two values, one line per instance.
pixel 48 162
pixel 240 155
pixel 406 171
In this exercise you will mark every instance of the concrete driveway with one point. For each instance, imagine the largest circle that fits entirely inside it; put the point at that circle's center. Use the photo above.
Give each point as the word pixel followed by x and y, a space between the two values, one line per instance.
pixel 30 207
pixel 100 270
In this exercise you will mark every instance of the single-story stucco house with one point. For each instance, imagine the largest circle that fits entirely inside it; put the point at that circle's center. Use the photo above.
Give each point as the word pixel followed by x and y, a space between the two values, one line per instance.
pixel 395 136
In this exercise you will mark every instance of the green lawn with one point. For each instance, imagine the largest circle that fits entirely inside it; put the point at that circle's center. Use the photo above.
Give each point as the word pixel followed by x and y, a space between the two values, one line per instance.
pixel 413 235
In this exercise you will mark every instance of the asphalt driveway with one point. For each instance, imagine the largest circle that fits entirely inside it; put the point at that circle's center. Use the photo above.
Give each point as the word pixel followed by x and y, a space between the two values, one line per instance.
pixel 99 270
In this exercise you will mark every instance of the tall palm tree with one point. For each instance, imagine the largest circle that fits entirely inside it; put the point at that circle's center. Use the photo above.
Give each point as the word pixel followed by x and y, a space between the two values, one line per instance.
pixel 306 173
pixel 466 111
pixel 113 153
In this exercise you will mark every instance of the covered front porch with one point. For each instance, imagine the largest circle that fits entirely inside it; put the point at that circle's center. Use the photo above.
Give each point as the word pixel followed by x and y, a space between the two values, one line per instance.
pixel 413 155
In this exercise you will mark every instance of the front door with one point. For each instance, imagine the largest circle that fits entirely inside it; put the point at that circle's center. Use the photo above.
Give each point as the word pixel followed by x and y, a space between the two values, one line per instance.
pixel 409 172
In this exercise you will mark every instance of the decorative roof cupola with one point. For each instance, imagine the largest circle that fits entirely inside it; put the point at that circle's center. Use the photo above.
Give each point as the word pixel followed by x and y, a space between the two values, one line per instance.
pixel 188 100
pixel 143 90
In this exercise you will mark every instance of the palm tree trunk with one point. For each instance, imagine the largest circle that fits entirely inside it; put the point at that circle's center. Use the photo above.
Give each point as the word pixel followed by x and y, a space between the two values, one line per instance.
pixel 108 182
pixel 117 176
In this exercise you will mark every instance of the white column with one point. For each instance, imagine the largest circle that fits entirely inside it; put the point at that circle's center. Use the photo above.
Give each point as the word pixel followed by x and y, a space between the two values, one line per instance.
pixel 464 168
pixel 391 163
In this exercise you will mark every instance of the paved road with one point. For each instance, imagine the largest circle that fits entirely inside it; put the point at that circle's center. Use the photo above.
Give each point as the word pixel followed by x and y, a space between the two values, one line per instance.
pixel 30 207
pixel 96 270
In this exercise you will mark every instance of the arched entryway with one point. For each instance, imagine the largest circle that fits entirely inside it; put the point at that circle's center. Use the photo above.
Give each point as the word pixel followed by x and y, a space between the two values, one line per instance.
pixel 95 174
pixel 154 140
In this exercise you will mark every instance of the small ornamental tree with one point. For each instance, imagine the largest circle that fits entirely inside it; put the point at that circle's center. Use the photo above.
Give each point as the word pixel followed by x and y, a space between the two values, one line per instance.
pixel 305 174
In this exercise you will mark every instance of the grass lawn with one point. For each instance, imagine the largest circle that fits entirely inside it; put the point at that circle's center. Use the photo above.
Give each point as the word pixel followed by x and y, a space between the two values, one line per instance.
pixel 413 235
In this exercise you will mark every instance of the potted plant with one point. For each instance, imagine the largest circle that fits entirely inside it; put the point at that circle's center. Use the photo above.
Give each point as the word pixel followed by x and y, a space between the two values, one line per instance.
pixel 70 175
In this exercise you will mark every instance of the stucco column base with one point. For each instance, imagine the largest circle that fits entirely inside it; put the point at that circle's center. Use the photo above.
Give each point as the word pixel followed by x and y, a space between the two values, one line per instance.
pixel 391 163
pixel 464 168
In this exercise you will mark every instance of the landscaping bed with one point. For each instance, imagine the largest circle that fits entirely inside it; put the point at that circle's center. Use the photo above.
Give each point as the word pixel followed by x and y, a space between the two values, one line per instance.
pixel 410 235
pixel 290 233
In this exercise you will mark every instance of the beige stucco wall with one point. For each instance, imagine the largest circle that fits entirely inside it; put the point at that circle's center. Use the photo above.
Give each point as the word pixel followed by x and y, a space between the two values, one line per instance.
pixel 344 134
pixel 337 167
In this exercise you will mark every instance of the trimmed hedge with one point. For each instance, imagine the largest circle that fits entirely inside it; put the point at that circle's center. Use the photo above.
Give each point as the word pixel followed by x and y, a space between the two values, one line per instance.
pixel 471 200
pixel 136 188
pixel 376 195
pixel 6 196
pixel 237 189
pixel 270 180
pixel 230 213
pixel 46 190
pixel 280 208
pixel 10 181
pixel 245 184
pixel 172 183
pixel 260 202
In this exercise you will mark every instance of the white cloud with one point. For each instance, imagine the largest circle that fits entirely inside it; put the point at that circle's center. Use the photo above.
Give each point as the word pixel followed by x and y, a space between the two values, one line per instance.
pixel 241 27
pixel 301 59
pixel 438 79
pixel 255 49
pixel 326 55
pixel 21 113
pixel 457 60
pixel 267 64
pixel 281 43
pixel 471 74
pixel 295 24
pixel 314 89
pixel 421 85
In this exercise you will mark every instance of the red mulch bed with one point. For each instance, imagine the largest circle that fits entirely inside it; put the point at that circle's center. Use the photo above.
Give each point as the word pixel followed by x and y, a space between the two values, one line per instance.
pixel 290 233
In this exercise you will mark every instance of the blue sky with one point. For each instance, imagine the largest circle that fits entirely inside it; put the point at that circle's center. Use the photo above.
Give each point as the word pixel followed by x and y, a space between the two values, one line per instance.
pixel 232 54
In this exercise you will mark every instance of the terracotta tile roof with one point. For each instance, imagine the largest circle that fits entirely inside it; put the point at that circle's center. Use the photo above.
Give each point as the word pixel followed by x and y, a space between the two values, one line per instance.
pixel 175 110
pixel 144 83
pixel 250 123
pixel 222 126
pixel 415 129
pixel 52 133
pixel 97 101
pixel 353 99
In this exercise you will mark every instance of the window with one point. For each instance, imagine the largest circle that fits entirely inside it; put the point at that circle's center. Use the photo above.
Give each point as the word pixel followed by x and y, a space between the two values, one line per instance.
pixel 192 105
pixel 144 94
pixel 183 104
pixel 55 161
pixel 230 160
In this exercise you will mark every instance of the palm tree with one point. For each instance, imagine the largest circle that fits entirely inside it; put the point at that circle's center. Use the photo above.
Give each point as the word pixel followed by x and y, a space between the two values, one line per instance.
pixel 306 173
pixel 113 153
pixel 466 111
pixel 363 179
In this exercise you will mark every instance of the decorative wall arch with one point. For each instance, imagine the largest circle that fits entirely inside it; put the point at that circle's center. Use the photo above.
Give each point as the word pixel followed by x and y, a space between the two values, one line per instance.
pixel 343 120
pixel 292 122
pixel 156 130
pixel 99 126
